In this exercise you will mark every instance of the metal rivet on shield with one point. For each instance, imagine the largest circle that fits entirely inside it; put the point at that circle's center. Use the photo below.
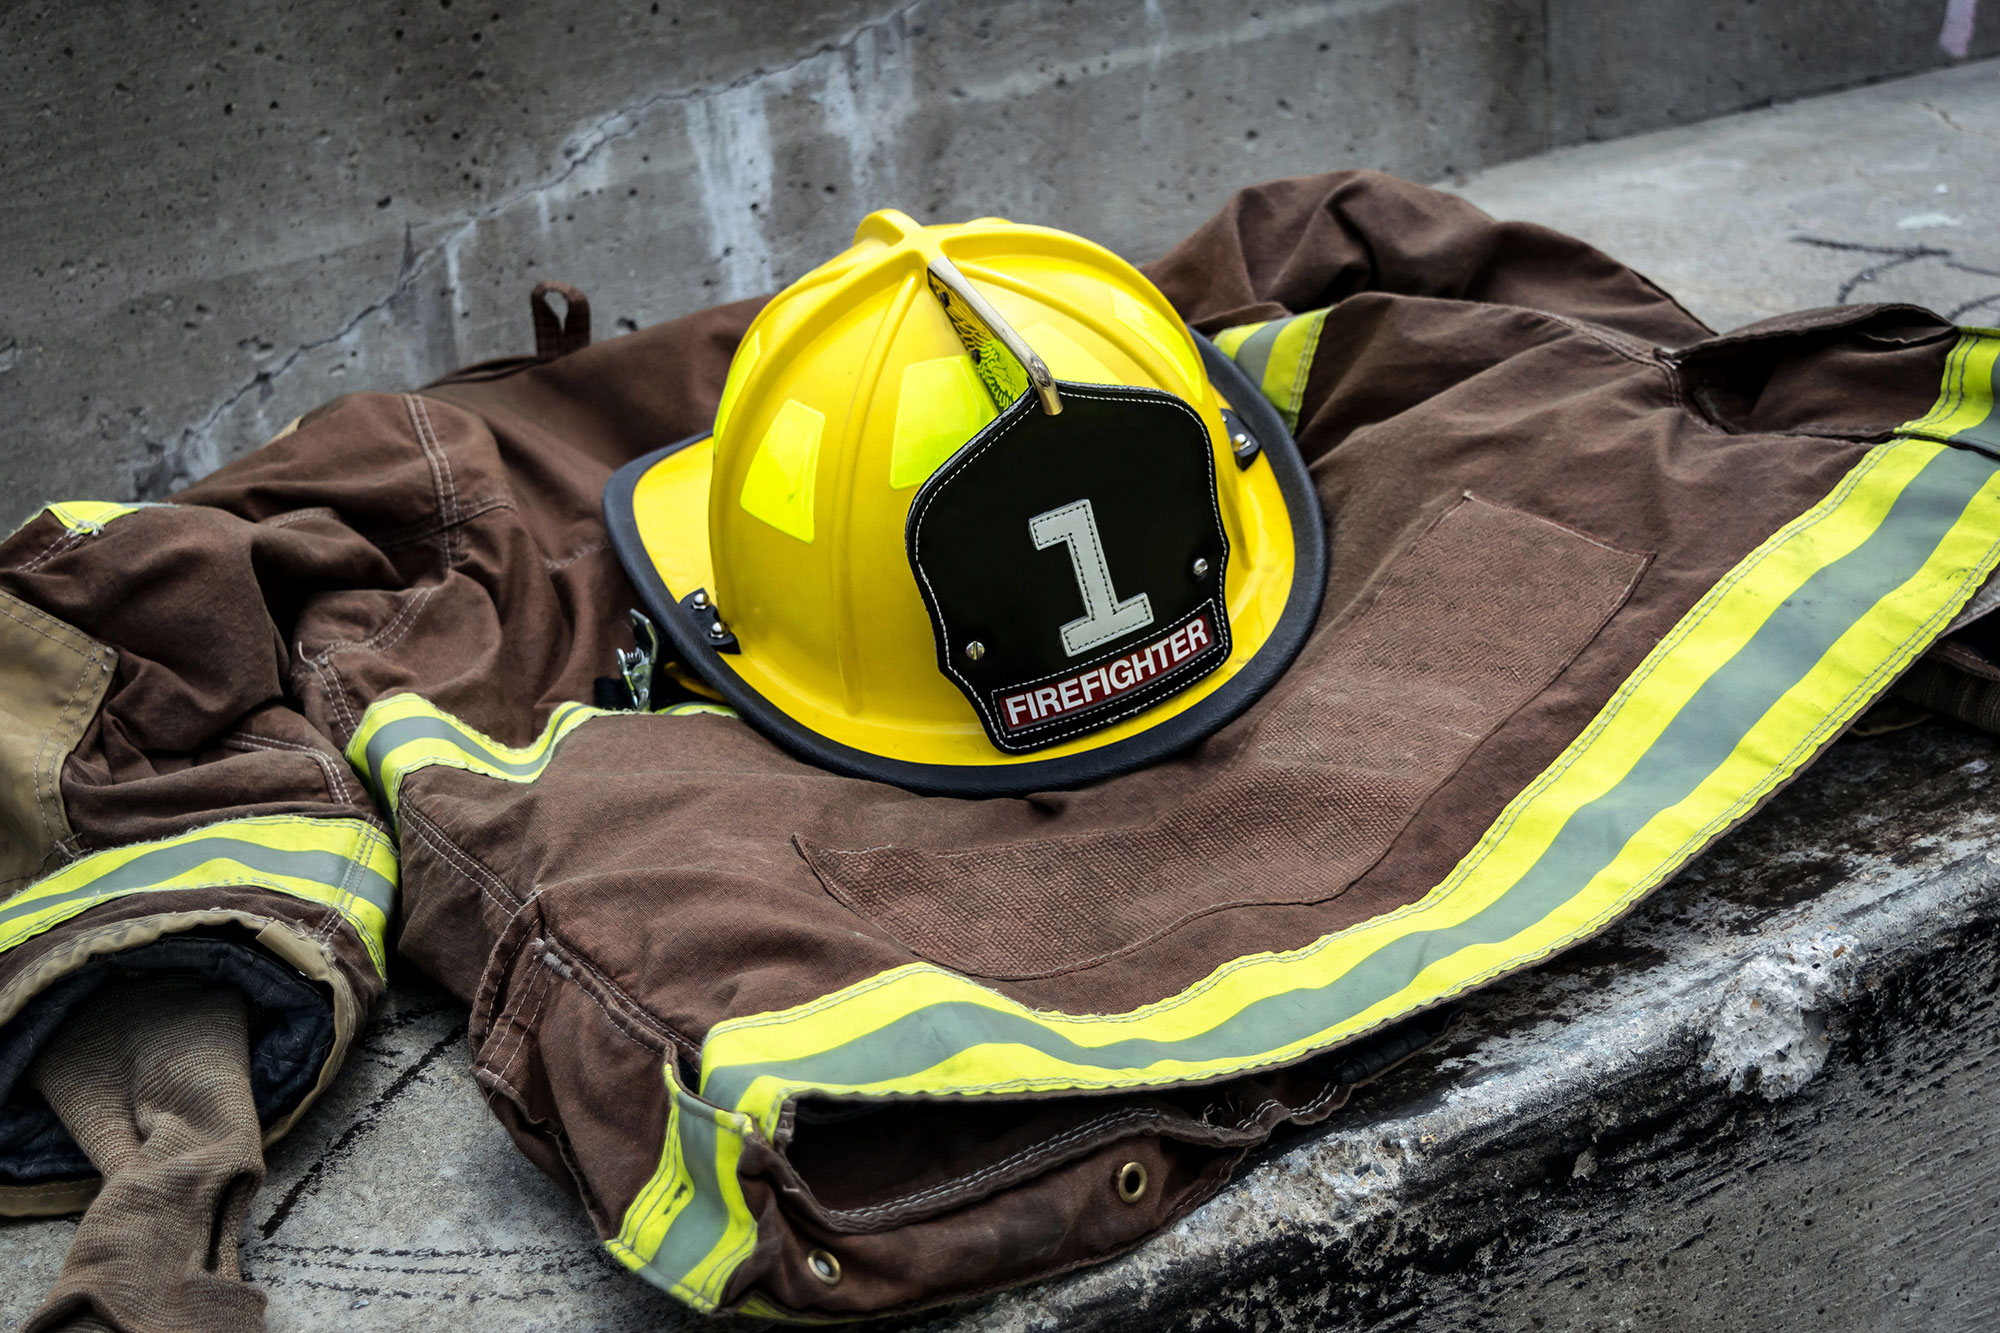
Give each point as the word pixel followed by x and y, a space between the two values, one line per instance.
pixel 975 650
pixel 1201 567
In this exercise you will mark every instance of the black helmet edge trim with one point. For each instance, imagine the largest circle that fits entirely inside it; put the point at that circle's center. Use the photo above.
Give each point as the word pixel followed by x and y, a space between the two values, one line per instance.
pixel 1200 720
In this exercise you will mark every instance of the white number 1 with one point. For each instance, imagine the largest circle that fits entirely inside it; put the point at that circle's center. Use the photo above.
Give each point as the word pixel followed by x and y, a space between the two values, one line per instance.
pixel 1105 617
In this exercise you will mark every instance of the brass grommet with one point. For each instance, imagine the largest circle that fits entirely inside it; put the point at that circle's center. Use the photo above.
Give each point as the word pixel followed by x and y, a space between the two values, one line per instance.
pixel 1131 1181
pixel 824 1266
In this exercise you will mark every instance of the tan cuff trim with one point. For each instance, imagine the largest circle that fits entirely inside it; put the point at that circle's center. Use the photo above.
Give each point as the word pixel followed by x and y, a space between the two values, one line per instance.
pixel 282 939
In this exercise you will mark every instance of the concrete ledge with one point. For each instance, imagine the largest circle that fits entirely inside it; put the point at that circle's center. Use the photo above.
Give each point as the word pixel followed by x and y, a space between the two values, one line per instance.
pixel 221 217
pixel 1764 1101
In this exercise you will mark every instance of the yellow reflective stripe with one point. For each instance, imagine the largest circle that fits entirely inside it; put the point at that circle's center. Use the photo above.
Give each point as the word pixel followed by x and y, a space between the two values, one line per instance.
pixel 692 709
pixel 662 1198
pixel 697 1175
pixel 1964 409
pixel 756 1307
pixel 1230 339
pixel 84 516
pixel 940 406
pixel 89 515
pixel 1277 355
pixel 1291 358
pixel 402 733
pixel 346 864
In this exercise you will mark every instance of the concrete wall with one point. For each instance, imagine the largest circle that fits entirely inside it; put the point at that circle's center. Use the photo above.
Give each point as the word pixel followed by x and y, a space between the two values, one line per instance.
pixel 219 215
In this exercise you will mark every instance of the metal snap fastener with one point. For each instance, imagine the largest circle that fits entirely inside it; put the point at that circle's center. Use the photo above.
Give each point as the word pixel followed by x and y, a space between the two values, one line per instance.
pixel 824 1266
pixel 975 650
pixel 1131 1181
pixel 1201 567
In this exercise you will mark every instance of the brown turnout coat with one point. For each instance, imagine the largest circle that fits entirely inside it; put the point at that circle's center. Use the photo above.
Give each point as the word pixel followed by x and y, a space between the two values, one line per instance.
pixel 772 1024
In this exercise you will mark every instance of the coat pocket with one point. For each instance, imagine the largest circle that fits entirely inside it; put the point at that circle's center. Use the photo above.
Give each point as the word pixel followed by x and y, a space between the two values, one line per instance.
pixel 1471 620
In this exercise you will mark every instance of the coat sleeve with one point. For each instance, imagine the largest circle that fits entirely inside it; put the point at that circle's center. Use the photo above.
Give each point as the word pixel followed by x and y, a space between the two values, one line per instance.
pixel 1307 242
pixel 165 806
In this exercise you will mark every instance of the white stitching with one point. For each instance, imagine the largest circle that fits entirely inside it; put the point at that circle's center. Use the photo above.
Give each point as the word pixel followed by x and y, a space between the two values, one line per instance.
pixel 513 965
pixel 333 689
pixel 553 963
pixel 481 878
pixel 522 1028
pixel 403 622
pixel 666 1032
pixel 441 472
pixel 553 565
pixel 335 775
pixel 291 516
pixel 70 537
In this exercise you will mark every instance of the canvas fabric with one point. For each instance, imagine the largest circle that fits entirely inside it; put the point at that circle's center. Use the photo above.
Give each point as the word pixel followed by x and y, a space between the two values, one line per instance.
pixel 1590 601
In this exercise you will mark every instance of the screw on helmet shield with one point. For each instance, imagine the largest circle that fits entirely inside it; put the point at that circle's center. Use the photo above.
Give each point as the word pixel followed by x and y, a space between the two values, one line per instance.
pixel 980 516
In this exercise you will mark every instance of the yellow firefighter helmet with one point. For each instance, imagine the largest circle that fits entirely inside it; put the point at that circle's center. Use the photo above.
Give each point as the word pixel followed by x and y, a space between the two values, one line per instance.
pixel 979 515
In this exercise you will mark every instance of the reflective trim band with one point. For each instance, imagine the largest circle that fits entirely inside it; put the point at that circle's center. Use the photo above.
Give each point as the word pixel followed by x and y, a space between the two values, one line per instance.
pixel 1766 669
pixel 88 517
pixel 1277 355
pixel 402 733
pixel 691 1217
pixel 1964 413
pixel 696 709
pixel 344 864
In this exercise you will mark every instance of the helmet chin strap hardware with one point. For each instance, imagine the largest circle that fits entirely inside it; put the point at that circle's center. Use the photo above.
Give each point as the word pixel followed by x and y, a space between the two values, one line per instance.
pixel 1242 444
pixel 972 315
pixel 707 620
pixel 637 665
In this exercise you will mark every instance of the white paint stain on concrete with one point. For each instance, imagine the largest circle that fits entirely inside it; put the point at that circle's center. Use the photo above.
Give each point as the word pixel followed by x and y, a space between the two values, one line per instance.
pixel 451 272
pixel 730 132
pixel 1928 221
pixel 866 96
pixel 1956 36
pixel 1769 1034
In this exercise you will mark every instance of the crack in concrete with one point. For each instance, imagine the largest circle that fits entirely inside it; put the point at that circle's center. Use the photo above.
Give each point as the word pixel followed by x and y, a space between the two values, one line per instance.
pixel 1944 116
pixel 165 468
pixel 363 1124
pixel 1895 257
